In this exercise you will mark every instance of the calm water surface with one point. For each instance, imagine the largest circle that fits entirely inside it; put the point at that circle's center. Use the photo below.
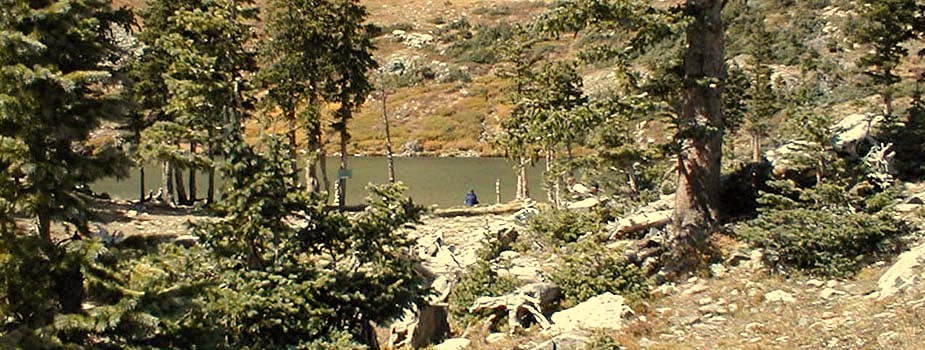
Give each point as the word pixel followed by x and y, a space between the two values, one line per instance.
pixel 440 181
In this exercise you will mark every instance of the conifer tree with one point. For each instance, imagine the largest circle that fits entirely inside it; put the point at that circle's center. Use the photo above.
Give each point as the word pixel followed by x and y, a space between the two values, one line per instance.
pixel 887 24
pixel 294 61
pixel 347 83
pixel 56 85
pixel 196 56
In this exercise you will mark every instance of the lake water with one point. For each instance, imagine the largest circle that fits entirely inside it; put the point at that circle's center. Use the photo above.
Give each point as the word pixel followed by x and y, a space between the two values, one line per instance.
pixel 440 181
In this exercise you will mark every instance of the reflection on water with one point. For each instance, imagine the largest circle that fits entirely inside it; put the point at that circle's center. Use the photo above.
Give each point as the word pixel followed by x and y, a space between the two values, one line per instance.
pixel 441 181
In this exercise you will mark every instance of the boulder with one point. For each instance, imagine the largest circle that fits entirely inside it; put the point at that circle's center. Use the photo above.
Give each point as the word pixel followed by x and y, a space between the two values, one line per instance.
pixel 779 296
pixel 411 148
pixel 453 344
pixel 905 274
pixel 605 311
pixel 854 132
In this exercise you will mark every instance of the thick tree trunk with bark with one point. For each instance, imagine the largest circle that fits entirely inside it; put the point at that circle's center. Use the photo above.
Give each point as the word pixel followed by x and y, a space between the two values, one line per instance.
pixel 166 184
pixel 701 127
pixel 181 189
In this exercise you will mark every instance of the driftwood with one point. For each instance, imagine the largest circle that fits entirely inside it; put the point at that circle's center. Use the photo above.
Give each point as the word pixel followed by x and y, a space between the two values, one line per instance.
pixel 505 208
pixel 639 222
pixel 529 300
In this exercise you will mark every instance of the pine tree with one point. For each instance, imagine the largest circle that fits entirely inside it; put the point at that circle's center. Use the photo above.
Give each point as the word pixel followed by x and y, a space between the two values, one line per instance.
pixel 196 57
pixel 347 84
pixel 294 62
pixel 887 24
pixel 57 85
pixel 57 62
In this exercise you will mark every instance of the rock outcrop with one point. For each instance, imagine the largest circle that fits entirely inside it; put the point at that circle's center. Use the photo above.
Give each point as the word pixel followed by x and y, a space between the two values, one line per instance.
pixel 605 311
pixel 906 273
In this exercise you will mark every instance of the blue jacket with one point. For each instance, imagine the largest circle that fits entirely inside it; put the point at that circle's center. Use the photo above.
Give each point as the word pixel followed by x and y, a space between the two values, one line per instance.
pixel 471 199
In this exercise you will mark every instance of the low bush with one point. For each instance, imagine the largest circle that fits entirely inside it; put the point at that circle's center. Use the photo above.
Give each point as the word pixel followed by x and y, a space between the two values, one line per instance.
pixel 611 273
pixel 479 281
pixel 566 225
pixel 822 242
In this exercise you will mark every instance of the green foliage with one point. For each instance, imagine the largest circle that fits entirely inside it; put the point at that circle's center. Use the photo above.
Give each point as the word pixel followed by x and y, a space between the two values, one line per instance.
pixel 612 273
pixel 478 44
pixel 566 226
pixel 887 24
pixel 310 271
pixel 908 138
pixel 478 281
pixel 56 86
pixel 822 242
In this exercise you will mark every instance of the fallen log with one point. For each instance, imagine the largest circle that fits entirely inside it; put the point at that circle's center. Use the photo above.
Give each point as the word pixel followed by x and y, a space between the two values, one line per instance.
pixel 639 222
pixel 526 302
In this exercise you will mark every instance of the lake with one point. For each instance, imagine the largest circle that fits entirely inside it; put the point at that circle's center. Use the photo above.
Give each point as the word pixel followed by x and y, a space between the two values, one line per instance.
pixel 440 181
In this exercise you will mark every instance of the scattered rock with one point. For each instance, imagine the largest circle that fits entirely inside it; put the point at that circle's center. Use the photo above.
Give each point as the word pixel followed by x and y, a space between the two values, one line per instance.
pixel 411 148
pixel 829 293
pixel 605 311
pixel 815 283
pixel 495 338
pixel 779 296
pixel 567 341
pixel 695 289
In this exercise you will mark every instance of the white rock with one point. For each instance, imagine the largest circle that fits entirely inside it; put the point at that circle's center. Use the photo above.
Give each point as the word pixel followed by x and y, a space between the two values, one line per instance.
pixel 779 296
pixel 907 272
pixel 495 337
pixel 815 283
pixel 453 344
pixel 605 311
pixel 829 293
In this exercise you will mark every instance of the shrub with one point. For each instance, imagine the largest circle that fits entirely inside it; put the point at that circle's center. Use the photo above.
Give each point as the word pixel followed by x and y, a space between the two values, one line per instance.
pixel 821 242
pixel 611 273
pixel 479 281
pixel 566 225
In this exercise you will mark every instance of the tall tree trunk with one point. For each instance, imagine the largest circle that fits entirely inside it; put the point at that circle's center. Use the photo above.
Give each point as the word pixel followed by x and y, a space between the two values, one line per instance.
pixel 141 183
pixel 210 193
pixel 323 164
pixel 341 189
pixel 887 102
pixel 756 147
pixel 192 175
pixel 388 138
pixel 552 180
pixel 166 184
pixel 293 142
pixel 696 211
pixel 181 188
pixel 43 223
pixel 523 183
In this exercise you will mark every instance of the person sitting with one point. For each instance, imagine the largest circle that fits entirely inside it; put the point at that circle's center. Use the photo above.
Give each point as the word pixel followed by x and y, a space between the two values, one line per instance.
pixel 471 198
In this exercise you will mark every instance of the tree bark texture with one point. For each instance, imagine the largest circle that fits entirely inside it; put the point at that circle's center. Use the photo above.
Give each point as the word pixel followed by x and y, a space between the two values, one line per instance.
pixel 700 127
pixel 181 188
